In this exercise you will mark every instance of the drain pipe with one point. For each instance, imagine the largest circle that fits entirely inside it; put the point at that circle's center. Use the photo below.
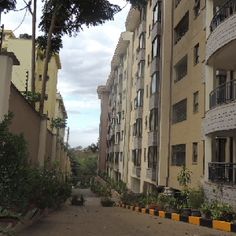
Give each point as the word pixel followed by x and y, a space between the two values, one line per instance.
pixel 170 105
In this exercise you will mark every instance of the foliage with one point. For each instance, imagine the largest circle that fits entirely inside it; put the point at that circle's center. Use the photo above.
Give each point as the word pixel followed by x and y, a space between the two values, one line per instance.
pixel 31 97
pixel 58 123
pixel 22 186
pixel 77 201
pixel 107 202
pixel 184 177
pixel 218 210
pixel 83 166
pixel 100 189
pixel 195 198
pixel 7 5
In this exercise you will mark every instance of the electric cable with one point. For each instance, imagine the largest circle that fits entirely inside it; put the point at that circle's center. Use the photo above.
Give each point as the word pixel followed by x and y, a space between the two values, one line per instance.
pixel 22 21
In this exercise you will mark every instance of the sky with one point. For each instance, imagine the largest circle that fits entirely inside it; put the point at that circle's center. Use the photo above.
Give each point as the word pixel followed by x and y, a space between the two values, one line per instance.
pixel 86 61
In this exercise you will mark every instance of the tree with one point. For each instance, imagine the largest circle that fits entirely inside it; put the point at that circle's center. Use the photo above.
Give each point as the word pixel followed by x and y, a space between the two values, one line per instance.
pixel 68 17
pixel 7 5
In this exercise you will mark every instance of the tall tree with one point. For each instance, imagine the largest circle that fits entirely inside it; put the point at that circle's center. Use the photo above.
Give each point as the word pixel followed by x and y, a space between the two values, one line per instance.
pixel 7 5
pixel 69 17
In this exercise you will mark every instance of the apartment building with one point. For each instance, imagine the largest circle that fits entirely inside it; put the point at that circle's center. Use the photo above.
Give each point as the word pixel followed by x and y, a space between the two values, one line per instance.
pixel 219 123
pixel 178 95
pixel 21 76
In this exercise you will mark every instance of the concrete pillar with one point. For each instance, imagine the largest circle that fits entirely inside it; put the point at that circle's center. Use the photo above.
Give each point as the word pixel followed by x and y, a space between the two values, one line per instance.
pixel 208 155
pixel 6 64
pixel 42 141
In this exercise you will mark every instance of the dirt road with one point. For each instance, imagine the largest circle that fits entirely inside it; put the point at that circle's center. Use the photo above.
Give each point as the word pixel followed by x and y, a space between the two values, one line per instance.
pixel 94 220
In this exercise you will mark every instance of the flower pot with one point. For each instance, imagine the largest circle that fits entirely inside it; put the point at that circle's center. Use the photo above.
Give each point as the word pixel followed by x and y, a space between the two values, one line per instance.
pixel 186 212
pixel 195 212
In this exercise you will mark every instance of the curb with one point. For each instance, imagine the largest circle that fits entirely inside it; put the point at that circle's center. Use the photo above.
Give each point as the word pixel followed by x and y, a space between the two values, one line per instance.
pixel 214 224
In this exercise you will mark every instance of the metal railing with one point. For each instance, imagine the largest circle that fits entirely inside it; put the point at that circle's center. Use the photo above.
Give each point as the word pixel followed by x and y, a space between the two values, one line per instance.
pixel 222 172
pixel 227 10
pixel 223 94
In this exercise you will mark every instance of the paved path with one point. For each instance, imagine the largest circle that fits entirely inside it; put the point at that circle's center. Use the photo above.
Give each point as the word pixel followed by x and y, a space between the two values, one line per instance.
pixel 94 220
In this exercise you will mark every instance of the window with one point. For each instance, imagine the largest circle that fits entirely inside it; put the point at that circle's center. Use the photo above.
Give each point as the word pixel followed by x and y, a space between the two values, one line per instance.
pixel 136 157
pixel 179 111
pixel 153 119
pixel 121 156
pixel 141 66
pixel 137 128
pixel 145 154
pixel 181 68
pixel 182 28
pixel 195 102
pixel 195 152
pixel 157 13
pixel 196 8
pixel 155 83
pixel 142 41
pixel 139 99
pixel 122 135
pixel 196 54
pixel 178 155
pixel 117 137
pixel 146 91
pixel 156 47
pixel 139 125
pixel 152 157
pixel 118 118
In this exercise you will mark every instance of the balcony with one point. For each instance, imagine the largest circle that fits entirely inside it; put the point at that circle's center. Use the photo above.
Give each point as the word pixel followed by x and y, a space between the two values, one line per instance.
pixel 136 171
pixel 223 94
pixel 221 116
pixel 222 172
pixel 142 27
pixel 221 43
pixel 156 30
pixel 155 65
pixel 137 142
pixel 153 138
pixel 141 54
pixel 154 100
pixel 139 112
pixel 151 174
pixel 139 83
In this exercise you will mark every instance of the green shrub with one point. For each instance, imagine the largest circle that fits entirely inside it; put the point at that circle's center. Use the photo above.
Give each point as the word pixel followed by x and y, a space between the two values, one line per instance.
pixel 107 202
pixel 195 198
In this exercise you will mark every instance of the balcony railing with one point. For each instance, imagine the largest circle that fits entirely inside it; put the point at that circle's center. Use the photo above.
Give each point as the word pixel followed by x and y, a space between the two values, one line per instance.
pixel 151 174
pixel 222 172
pixel 227 10
pixel 137 171
pixel 223 94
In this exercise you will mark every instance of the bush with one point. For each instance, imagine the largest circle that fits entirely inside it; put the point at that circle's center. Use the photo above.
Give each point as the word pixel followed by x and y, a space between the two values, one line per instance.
pixel 107 202
pixel 195 198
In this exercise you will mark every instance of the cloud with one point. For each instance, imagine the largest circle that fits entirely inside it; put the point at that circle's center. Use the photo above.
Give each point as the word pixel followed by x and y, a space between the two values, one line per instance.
pixel 85 65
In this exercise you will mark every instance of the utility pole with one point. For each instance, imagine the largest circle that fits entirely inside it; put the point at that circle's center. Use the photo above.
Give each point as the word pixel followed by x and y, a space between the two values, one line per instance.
pixel 34 13
pixel 1 35
pixel 27 82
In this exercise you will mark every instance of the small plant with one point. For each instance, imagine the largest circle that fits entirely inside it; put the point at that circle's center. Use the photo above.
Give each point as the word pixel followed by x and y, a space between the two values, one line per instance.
pixel 195 198
pixel 184 177
pixel 58 123
pixel 107 202
pixel 31 97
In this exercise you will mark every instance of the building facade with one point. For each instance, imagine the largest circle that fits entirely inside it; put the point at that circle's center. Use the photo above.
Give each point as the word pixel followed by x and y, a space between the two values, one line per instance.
pixel 179 97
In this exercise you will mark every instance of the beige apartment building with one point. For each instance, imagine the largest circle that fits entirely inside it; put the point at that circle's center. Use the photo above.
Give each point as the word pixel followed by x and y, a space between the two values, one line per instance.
pixel 22 48
pixel 177 76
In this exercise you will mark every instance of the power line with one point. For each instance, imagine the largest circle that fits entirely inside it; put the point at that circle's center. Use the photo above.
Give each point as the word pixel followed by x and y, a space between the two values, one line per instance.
pixel 23 19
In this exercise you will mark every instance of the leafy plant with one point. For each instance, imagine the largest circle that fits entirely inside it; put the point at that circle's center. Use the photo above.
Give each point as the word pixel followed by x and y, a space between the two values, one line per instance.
pixel 31 97
pixel 58 123
pixel 195 198
pixel 184 177
pixel 107 202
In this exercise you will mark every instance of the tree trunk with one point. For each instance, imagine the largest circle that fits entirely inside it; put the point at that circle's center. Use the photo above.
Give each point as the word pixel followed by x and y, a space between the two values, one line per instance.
pixel 33 47
pixel 46 61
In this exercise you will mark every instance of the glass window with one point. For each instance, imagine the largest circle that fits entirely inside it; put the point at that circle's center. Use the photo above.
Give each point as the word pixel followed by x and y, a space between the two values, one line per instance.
pixel 155 83
pixel 156 47
pixel 195 152
pixel 182 28
pixel 142 41
pixel 195 102
pixel 157 13
pixel 181 68
pixel 178 155
pixel 179 111
pixel 153 120
pixel 152 157
pixel 196 54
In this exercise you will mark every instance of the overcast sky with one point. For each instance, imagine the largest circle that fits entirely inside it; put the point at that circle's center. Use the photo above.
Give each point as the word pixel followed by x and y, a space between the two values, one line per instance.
pixel 85 65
